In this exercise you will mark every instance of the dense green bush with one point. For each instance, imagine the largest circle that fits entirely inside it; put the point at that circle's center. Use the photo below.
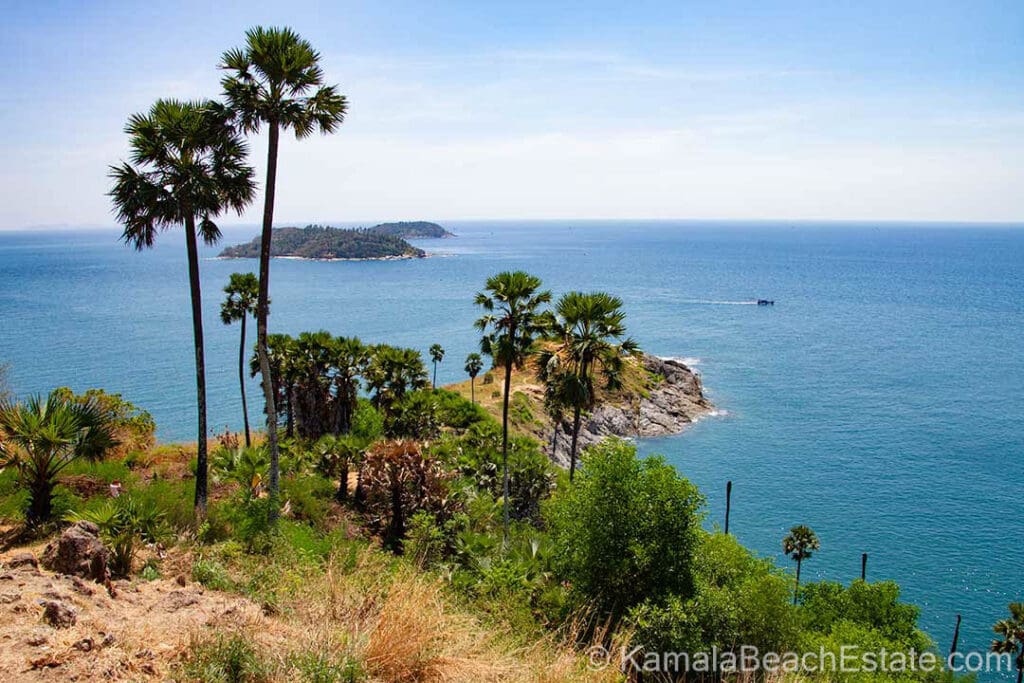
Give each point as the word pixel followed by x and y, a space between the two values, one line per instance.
pixel 828 608
pixel 626 531
pixel 739 599
pixel 477 455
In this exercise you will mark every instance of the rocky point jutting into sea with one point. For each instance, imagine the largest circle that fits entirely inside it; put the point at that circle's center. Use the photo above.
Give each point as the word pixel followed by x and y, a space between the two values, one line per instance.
pixel 674 400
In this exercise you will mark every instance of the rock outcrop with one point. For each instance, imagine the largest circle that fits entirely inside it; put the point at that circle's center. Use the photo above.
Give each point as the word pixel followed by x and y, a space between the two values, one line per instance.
pixel 674 401
pixel 79 552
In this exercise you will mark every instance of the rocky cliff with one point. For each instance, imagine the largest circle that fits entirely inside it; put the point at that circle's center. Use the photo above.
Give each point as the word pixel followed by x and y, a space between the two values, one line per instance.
pixel 671 401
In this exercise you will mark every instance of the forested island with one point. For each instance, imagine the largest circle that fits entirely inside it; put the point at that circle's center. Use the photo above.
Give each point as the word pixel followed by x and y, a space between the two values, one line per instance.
pixel 411 230
pixel 328 243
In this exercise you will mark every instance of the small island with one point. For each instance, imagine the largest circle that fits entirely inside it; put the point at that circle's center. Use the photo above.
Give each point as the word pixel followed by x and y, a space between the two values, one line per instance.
pixel 412 230
pixel 318 242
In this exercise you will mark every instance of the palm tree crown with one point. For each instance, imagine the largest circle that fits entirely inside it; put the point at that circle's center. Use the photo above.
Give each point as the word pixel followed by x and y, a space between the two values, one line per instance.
pixel 1011 640
pixel 436 356
pixel 587 335
pixel 474 364
pixel 242 291
pixel 512 320
pixel 277 79
pixel 189 163
pixel 800 542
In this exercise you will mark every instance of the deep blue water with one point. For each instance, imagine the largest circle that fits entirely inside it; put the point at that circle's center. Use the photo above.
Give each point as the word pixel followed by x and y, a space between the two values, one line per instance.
pixel 879 401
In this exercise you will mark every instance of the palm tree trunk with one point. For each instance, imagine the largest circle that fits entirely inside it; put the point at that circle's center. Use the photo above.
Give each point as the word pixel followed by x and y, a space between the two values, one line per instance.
pixel 504 445
pixel 433 383
pixel 554 440
pixel 575 439
pixel 40 507
pixel 796 591
pixel 241 383
pixel 274 485
pixel 472 389
pixel 342 495
pixel 197 334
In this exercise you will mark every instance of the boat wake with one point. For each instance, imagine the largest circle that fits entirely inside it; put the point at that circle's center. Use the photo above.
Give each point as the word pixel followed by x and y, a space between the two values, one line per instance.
pixel 716 302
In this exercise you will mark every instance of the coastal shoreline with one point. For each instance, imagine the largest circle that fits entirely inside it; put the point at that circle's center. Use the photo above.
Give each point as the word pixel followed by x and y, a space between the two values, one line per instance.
pixel 674 404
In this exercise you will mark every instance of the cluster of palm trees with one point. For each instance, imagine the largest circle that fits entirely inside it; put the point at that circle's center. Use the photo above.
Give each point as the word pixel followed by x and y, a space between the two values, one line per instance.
pixel 188 166
pixel 581 338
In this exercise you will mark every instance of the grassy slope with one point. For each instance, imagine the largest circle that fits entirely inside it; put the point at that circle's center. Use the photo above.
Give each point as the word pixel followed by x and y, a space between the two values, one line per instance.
pixel 526 406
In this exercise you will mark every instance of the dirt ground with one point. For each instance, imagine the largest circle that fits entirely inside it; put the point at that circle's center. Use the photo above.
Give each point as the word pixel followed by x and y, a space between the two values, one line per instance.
pixel 134 635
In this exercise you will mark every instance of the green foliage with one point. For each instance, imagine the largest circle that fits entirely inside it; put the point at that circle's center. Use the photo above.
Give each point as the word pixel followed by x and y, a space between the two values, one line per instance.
pixel 250 519
pixel 426 541
pixel 308 497
pixel 211 574
pixel 520 411
pixel 40 438
pixel 477 454
pixel 123 522
pixel 426 413
pixel 828 606
pixel 133 429
pixel 321 667
pixel 626 531
pixel 739 599
pixel 226 658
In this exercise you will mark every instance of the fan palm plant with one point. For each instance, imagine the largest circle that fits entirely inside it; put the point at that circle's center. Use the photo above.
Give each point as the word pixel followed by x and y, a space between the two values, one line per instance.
pixel 799 544
pixel 474 364
pixel 242 292
pixel 1011 640
pixel 587 336
pixel 39 438
pixel 188 167
pixel 511 322
pixel 436 356
pixel 276 80
pixel 393 372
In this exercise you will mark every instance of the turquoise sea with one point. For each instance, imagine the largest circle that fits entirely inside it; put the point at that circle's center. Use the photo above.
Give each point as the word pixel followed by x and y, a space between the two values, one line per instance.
pixel 879 401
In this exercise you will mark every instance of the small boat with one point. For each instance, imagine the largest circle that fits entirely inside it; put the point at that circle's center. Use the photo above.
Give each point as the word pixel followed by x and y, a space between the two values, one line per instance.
pixel 765 302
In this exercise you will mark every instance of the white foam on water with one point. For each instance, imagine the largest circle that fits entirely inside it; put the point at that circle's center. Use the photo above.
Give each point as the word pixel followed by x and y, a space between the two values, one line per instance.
pixel 716 302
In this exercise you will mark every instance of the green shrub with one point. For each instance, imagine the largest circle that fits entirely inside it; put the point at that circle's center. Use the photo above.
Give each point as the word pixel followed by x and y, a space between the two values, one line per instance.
pixel 319 667
pixel 211 574
pixel 426 541
pixel 123 522
pixel 626 530
pixel 828 606
pixel 227 658
pixel 308 496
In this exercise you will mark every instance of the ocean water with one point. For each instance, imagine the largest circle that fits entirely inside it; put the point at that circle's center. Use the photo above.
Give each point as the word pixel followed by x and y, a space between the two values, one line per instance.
pixel 879 401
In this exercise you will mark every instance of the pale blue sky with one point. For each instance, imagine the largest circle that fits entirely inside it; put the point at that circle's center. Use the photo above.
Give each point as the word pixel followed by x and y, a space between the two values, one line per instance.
pixel 804 110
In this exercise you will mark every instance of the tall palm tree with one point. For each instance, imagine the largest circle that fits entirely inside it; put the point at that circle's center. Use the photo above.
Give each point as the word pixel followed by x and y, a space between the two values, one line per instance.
pixel 556 400
pixel 436 356
pixel 587 335
pixel 1012 637
pixel 188 167
pixel 510 324
pixel 276 80
pixel 474 364
pixel 799 543
pixel 40 438
pixel 242 293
